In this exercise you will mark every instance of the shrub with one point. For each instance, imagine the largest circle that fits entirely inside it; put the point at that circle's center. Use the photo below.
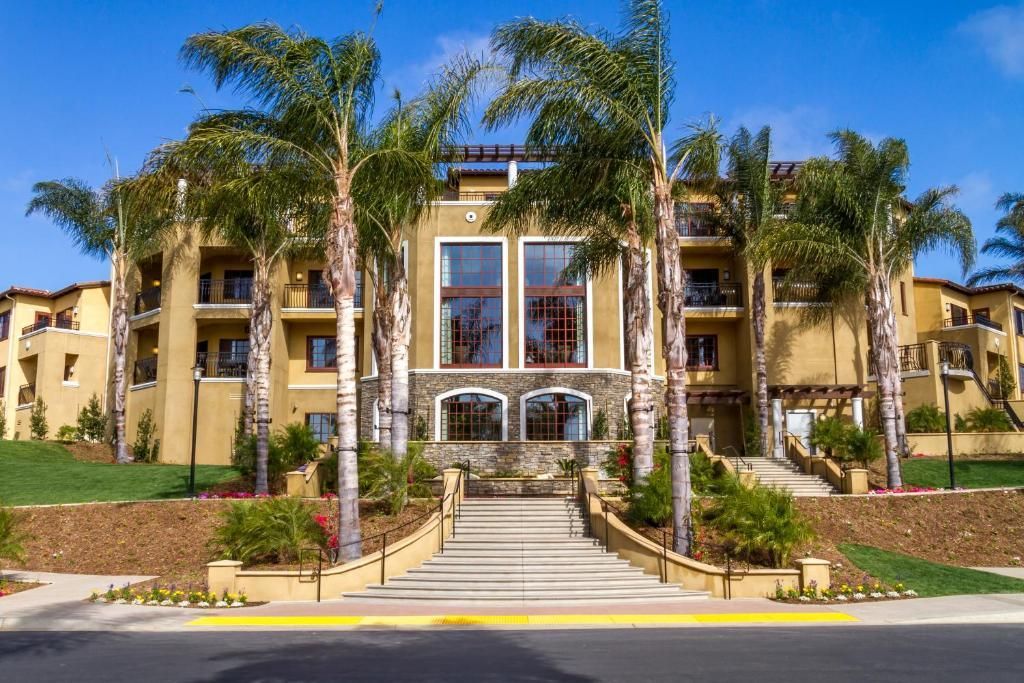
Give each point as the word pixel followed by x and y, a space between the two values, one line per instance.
pixel 829 434
pixel 752 437
pixel 393 481
pixel 862 446
pixel 3 420
pixel 420 430
pixel 297 443
pixel 619 463
pixel 145 449
pixel 289 447
pixel 650 502
pixel 92 422
pixel 11 538
pixel 959 424
pixel 761 522
pixel 599 428
pixel 37 420
pixel 661 429
pixel 988 420
pixel 926 419
pixel 566 466
pixel 274 529
pixel 67 434
pixel 1005 379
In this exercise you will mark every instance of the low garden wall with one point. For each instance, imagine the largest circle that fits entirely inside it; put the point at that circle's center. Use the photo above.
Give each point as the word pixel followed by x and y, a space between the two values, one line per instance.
pixel 410 552
pixel 620 539
pixel 528 458
pixel 853 481
pixel 983 443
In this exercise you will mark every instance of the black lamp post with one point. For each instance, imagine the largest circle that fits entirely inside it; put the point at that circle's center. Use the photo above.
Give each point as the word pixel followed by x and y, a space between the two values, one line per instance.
pixel 197 374
pixel 944 371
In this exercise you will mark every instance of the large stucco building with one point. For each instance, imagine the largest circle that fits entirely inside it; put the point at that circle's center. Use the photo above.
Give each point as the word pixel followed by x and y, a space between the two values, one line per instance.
pixel 54 345
pixel 511 364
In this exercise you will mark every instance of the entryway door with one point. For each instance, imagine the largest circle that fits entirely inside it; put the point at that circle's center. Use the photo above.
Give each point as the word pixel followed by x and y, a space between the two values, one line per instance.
pixel 799 423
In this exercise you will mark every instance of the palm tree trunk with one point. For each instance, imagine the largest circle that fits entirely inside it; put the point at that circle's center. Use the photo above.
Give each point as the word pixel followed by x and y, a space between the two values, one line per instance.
pixel 760 364
pixel 260 327
pixel 887 369
pixel 382 325
pixel 901 422
pixel 636 310
pixel 401 337
pixel 672 302
pixel 342 248
pixel 119 331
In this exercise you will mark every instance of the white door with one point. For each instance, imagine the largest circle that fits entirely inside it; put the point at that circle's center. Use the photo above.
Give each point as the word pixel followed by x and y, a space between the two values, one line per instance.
pixel 799 424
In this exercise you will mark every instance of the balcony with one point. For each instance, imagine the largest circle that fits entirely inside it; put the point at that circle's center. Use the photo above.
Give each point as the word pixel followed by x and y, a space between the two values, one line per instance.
pixel 316 296
pixel 795 292
pixel 27 394
pixel 147 301
pixel 913 358
pixel 233 292
pixel 223 365
pixel 455 196
pixel 48 322
pixel 715 295
pixel 962 320
pixel 145 370
pixel 959 356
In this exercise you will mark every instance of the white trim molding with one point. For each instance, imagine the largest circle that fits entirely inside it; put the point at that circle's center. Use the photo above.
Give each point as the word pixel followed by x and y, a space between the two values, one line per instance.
pixel 221 380
pixel 587 398
pixel 483 239
pixel 143 385
pixel 61 330
pixel 312 387
pixel 471 390
pixel 221 307
pixel 521 321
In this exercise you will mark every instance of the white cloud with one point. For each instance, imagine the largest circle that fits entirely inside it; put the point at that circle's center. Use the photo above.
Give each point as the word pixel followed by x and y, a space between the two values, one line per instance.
pixel 797 133
pixel 1000 33
pixel 413 77
pixel 19 183
pixel 977 193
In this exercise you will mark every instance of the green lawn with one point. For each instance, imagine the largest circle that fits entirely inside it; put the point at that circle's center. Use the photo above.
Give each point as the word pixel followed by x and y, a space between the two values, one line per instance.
pixel 970 474
pixel 34 472
pixel 927 578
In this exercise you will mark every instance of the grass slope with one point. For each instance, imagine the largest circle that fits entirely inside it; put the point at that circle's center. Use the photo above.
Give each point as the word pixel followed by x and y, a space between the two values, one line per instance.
pixel 927 578
pixel 971 474
pixel 37 473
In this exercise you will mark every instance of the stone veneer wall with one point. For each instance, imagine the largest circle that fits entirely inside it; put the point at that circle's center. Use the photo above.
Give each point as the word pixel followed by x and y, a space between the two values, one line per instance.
pixel 608 390
pixel 523 458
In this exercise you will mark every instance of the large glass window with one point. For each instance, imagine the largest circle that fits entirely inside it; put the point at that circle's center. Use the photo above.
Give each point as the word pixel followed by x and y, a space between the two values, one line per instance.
pixel 556 417
pixel 702 352
pixel 471 307
pixel 556 305
pixel 471 417
pixel 321 353
pixel 322 425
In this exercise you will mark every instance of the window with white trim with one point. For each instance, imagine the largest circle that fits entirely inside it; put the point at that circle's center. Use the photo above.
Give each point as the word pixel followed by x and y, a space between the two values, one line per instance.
pixel 556 417
pixel 555 321
pixel 471 305
pixel 471 417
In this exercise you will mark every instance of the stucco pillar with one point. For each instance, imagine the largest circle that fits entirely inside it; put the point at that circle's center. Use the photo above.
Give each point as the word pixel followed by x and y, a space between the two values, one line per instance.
pixel 817 571
pixel 777 448
pixel 858 412
pixel 513 173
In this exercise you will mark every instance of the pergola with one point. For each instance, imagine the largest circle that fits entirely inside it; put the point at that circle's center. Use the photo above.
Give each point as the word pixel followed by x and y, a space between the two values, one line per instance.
pixel 813 391
pixel 705 397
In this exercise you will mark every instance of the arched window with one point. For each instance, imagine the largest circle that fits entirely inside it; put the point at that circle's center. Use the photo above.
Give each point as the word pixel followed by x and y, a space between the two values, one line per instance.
pixel 556 417
pixel 471 417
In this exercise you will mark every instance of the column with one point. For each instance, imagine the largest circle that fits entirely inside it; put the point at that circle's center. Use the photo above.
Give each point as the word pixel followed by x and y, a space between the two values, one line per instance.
pixel 858 412
pixel 777 447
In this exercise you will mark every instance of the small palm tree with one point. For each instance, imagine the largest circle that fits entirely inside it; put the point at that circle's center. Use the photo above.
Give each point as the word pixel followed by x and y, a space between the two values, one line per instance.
pixel 1008 244
pixel 855 233
pixel 562 74
pixel 105 223
pixel 750 202
pixel 391 200
pixel 313 101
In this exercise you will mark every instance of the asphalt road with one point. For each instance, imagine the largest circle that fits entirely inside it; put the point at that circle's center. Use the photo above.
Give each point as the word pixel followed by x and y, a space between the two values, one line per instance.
pixel 824 655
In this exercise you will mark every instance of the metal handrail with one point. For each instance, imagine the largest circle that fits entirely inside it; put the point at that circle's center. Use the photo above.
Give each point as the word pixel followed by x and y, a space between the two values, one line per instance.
pixel 974 319
pixel 738 460
pixel 56 322
pixel 714 294
pixel 147 300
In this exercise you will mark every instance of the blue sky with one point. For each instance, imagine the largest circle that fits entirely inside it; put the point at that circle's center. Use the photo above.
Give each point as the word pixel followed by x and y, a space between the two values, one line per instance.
pixel 948 76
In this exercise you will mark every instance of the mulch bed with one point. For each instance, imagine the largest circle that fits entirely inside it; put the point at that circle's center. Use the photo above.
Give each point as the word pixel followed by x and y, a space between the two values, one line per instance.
pixel 168 539
pixel 85 451
pixel 12 587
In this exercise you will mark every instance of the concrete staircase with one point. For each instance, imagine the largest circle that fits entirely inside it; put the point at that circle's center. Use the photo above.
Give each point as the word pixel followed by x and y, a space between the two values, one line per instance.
pixel 784 474
pixel 524 550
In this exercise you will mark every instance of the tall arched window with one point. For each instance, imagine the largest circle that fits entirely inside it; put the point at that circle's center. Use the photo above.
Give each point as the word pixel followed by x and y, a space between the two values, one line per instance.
pixel 471 417
pixel 556 417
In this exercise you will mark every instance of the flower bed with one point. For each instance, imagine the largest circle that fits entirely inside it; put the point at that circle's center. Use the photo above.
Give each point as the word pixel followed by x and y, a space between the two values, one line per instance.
pixel 157 596
pixel 902 489
pixel 862 592
pixel 12 587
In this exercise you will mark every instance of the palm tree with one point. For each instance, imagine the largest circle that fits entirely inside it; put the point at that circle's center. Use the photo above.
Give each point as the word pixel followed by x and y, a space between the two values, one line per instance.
pixel 559 71
pixel 590 195
pixel 101 225
pixel 1008 243
pixel 750 202
pixel 391 201
pixel 854 232
pixel 313 98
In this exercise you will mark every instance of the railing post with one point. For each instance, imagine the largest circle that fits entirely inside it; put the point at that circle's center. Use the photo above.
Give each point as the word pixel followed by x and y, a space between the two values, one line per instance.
pixel 319 571
pixel 383 556
pixel 440 523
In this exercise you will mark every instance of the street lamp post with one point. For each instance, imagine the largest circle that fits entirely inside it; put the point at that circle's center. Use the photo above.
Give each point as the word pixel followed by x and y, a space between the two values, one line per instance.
pixel 197 374
pixel 944 371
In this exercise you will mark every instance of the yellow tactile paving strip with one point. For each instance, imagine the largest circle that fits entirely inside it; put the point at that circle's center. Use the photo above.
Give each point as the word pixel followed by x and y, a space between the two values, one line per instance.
pixel 527 620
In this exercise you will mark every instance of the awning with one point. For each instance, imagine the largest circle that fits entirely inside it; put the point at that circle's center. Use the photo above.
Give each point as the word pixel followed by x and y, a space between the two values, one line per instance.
pixel 705 397
pixel 813 391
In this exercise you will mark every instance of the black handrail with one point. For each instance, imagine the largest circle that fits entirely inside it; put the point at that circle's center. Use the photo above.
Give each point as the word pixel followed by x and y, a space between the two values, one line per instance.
pixel 147 300
pixel 738 460
pixel 975 319
pixel 56 322
pixel 725 294
pixel 959 356
pixel 145 370
pixel 913 357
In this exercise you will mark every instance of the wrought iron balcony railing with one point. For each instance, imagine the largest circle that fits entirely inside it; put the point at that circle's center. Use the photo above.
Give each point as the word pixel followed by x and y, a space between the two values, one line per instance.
pixel 913 357
pixel 228 364
pixel 456 196
pixel 145 370
pixel 959 356
pixel 316 296
pixel 50 322
pixel 231 291
pixel 26 394
pixel 725 294
pixel 975 319
pixel 795 292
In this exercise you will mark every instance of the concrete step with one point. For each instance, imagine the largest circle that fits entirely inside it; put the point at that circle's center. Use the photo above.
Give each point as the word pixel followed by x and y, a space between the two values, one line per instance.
pixel 624 595
pixel 532 583
pixel 456 571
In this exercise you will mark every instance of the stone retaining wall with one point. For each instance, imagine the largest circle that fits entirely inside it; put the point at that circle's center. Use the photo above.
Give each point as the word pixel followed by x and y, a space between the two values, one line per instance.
pixel 516 458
